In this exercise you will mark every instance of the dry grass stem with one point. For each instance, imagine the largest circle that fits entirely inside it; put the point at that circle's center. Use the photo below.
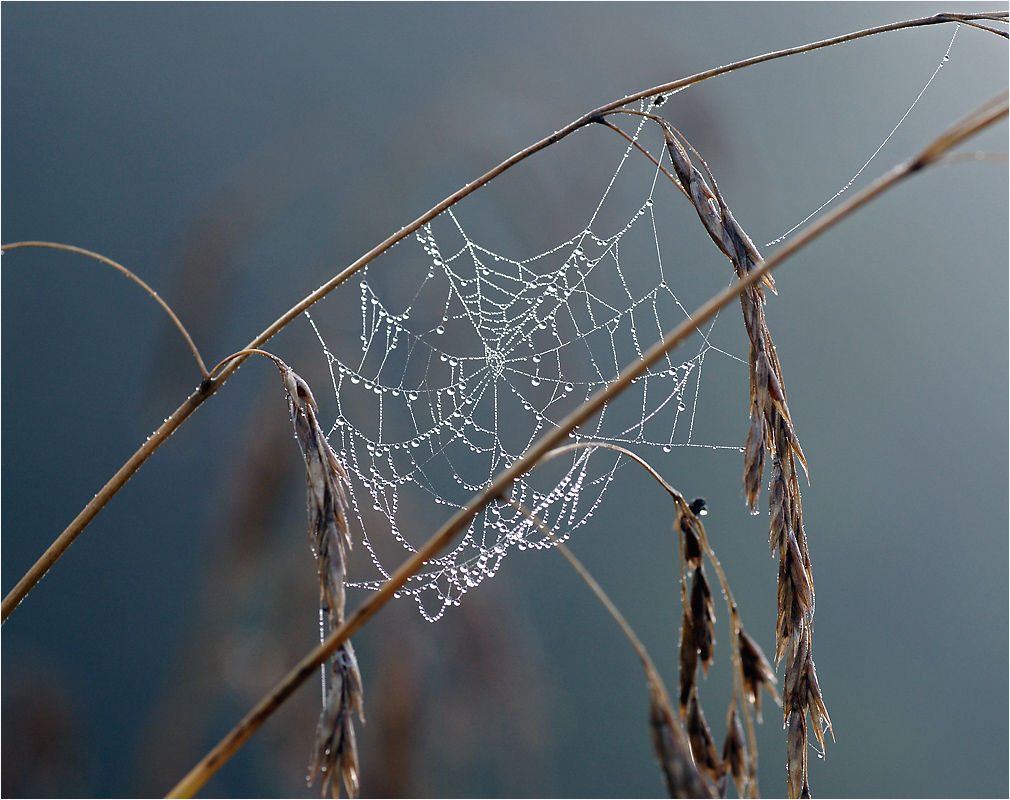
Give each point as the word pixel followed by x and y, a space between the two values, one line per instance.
pixel 133 277
pixel 672 748
pixel 751 668
pixel 209 387
pixel 496 489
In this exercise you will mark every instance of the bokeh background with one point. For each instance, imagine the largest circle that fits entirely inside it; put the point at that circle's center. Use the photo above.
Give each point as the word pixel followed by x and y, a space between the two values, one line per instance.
pixel 236 156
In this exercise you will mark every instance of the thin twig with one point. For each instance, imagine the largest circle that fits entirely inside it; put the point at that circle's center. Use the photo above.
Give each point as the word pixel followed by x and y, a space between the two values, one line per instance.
pixel 209 387
pixel 98 257
pixel 191 783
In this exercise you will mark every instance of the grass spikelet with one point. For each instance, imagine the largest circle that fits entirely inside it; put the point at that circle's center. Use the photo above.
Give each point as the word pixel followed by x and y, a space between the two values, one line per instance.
pixel 680 774
pixel 757 672
pixel 734 752
pixel 702 743
pixel 335 754
pixel 703 617
pixel 688 663
pixel 327 499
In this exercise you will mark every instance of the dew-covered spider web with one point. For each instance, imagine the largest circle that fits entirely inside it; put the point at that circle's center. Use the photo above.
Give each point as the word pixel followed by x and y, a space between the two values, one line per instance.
pixel 468 355
pixel 450 363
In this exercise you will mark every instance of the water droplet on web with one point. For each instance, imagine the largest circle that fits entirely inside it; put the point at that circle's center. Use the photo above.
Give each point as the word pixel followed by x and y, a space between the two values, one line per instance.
pixel 535 381
pixel 569 387
pixel 439 330
pixel 536 359
pixel 667 449
pixel 412 396
pixel 682 407
pixel 355 379
pixel 648 203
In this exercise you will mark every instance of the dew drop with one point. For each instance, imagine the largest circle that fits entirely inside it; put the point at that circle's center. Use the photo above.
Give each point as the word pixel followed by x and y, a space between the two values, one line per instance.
pixel 439 330
pixel 569 387
pixel 535 381
pixel 355 379
pixel 666 449
pixel 412 396
pixel 536 359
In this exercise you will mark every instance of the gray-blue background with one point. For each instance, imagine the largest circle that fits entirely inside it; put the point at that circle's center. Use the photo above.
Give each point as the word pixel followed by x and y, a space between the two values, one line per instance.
pixel 236 156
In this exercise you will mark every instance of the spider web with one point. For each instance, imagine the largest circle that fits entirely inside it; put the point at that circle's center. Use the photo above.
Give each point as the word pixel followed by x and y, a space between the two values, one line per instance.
pixel 466 358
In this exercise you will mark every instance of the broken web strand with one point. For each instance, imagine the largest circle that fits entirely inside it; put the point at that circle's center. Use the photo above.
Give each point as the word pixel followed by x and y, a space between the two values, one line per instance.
pixel 840 192
pixel 451 386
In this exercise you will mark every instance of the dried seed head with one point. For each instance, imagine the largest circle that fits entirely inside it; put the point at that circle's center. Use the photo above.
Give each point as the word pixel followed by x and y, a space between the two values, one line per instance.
pixel 802 693
pixel 815 704
pixel 336 750
pixel 754 462
pixel 734 753
pixel 703 617
pixel 778 506
pixel 679 771
pixel 688 662
pixel 691 528
pixel 757 672
pixel 796 754
pixel 335 755
pixel 327 499
pixel 702 743
pixel 771 434
pixel 795 598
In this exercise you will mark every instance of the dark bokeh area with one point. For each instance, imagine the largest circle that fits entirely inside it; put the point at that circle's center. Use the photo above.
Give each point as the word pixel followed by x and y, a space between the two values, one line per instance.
pixel 237 156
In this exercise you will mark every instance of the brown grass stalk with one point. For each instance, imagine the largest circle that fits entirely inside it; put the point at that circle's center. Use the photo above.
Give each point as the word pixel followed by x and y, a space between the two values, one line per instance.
pixel 672 746
pixel 977 120
pixel 209 386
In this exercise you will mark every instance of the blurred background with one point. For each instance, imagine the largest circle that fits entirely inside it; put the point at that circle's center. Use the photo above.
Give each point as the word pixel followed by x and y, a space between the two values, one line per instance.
pixel 237 156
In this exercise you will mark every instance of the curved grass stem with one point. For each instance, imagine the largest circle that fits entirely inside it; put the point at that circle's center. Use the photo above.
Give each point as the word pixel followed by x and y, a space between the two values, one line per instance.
pixel 105 260
pixel 986 115
pixel 210 385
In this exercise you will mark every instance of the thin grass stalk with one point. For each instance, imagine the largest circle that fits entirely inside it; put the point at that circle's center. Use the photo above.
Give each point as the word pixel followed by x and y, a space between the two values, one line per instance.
pixel 680 772
pixel 132 276
pixel 209 387
pixel 977 120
